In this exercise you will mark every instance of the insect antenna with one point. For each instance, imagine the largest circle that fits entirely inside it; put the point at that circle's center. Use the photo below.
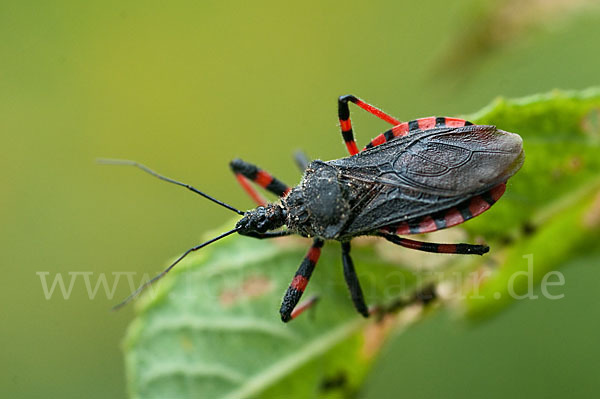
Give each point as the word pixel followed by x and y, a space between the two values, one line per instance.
pixel 171 266
pixel 167 179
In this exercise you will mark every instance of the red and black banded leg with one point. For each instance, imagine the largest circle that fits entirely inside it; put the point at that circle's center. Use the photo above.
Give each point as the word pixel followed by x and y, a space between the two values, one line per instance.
pixel 462 249
pixel 352 281
pixel 301 308
pixel 346 124
pixel 417 125
pixel 245 172
pixel 298 284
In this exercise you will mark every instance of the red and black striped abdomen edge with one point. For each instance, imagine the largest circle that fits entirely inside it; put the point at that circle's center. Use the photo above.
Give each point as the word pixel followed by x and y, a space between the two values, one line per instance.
pixel 464 211
pixel 405 128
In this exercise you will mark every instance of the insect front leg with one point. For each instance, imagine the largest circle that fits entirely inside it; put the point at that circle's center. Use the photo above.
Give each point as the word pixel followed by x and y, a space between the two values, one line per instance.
pixel 352 281
pixel 269 234
pixel 246 172
pixel 462 249
pixel 298 284
pixel 346 124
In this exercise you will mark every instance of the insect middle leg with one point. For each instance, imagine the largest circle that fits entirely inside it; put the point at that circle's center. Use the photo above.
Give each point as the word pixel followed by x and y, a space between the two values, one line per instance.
pixel 246 172
pixel 298 284
pixel 346 124
pixel 352 281
pixel 301 160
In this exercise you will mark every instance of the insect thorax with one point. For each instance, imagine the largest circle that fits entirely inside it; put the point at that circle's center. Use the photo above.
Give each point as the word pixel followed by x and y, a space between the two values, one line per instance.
pixel 320 205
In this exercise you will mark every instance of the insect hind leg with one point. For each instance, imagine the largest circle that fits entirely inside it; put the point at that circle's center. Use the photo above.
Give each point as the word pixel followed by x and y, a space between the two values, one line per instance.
pixel 246 172
pixel 463 249
pixel 346 124
pixel 416 125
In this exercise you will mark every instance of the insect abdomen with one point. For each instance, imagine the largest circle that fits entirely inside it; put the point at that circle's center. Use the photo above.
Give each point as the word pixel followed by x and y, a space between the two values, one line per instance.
pixel 458 214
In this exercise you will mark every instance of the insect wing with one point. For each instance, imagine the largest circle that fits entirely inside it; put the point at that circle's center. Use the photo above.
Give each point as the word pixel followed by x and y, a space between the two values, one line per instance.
pixel 447 162
pixel 430 171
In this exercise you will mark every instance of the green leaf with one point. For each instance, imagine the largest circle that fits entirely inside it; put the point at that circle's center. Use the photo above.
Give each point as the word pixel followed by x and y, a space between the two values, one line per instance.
pixel 561 137
pixel 214 329
pixel 211 328
pixel 571 232
pixel 547 214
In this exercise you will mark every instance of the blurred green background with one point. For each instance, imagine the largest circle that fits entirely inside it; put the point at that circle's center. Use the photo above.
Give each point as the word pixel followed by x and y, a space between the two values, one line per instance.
pixel 186 86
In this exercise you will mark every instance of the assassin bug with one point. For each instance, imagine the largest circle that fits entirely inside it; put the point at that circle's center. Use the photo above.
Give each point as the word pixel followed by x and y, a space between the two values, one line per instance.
pixel 417 177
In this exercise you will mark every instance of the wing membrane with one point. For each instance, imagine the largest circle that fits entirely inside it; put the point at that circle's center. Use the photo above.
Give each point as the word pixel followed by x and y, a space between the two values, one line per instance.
pixel 429 171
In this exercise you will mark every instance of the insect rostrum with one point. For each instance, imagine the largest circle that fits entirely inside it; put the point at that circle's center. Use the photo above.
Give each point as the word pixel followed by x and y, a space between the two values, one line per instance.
pixel 417 177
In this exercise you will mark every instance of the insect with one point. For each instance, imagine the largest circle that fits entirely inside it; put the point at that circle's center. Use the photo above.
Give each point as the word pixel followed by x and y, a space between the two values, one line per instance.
pixel 417 177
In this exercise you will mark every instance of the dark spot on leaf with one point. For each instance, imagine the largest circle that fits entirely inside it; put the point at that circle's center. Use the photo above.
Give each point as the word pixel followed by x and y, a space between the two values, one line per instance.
pixel 506 240
pixel 426 295
pixel 528 228
pixel 336 381
pixel 423 296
